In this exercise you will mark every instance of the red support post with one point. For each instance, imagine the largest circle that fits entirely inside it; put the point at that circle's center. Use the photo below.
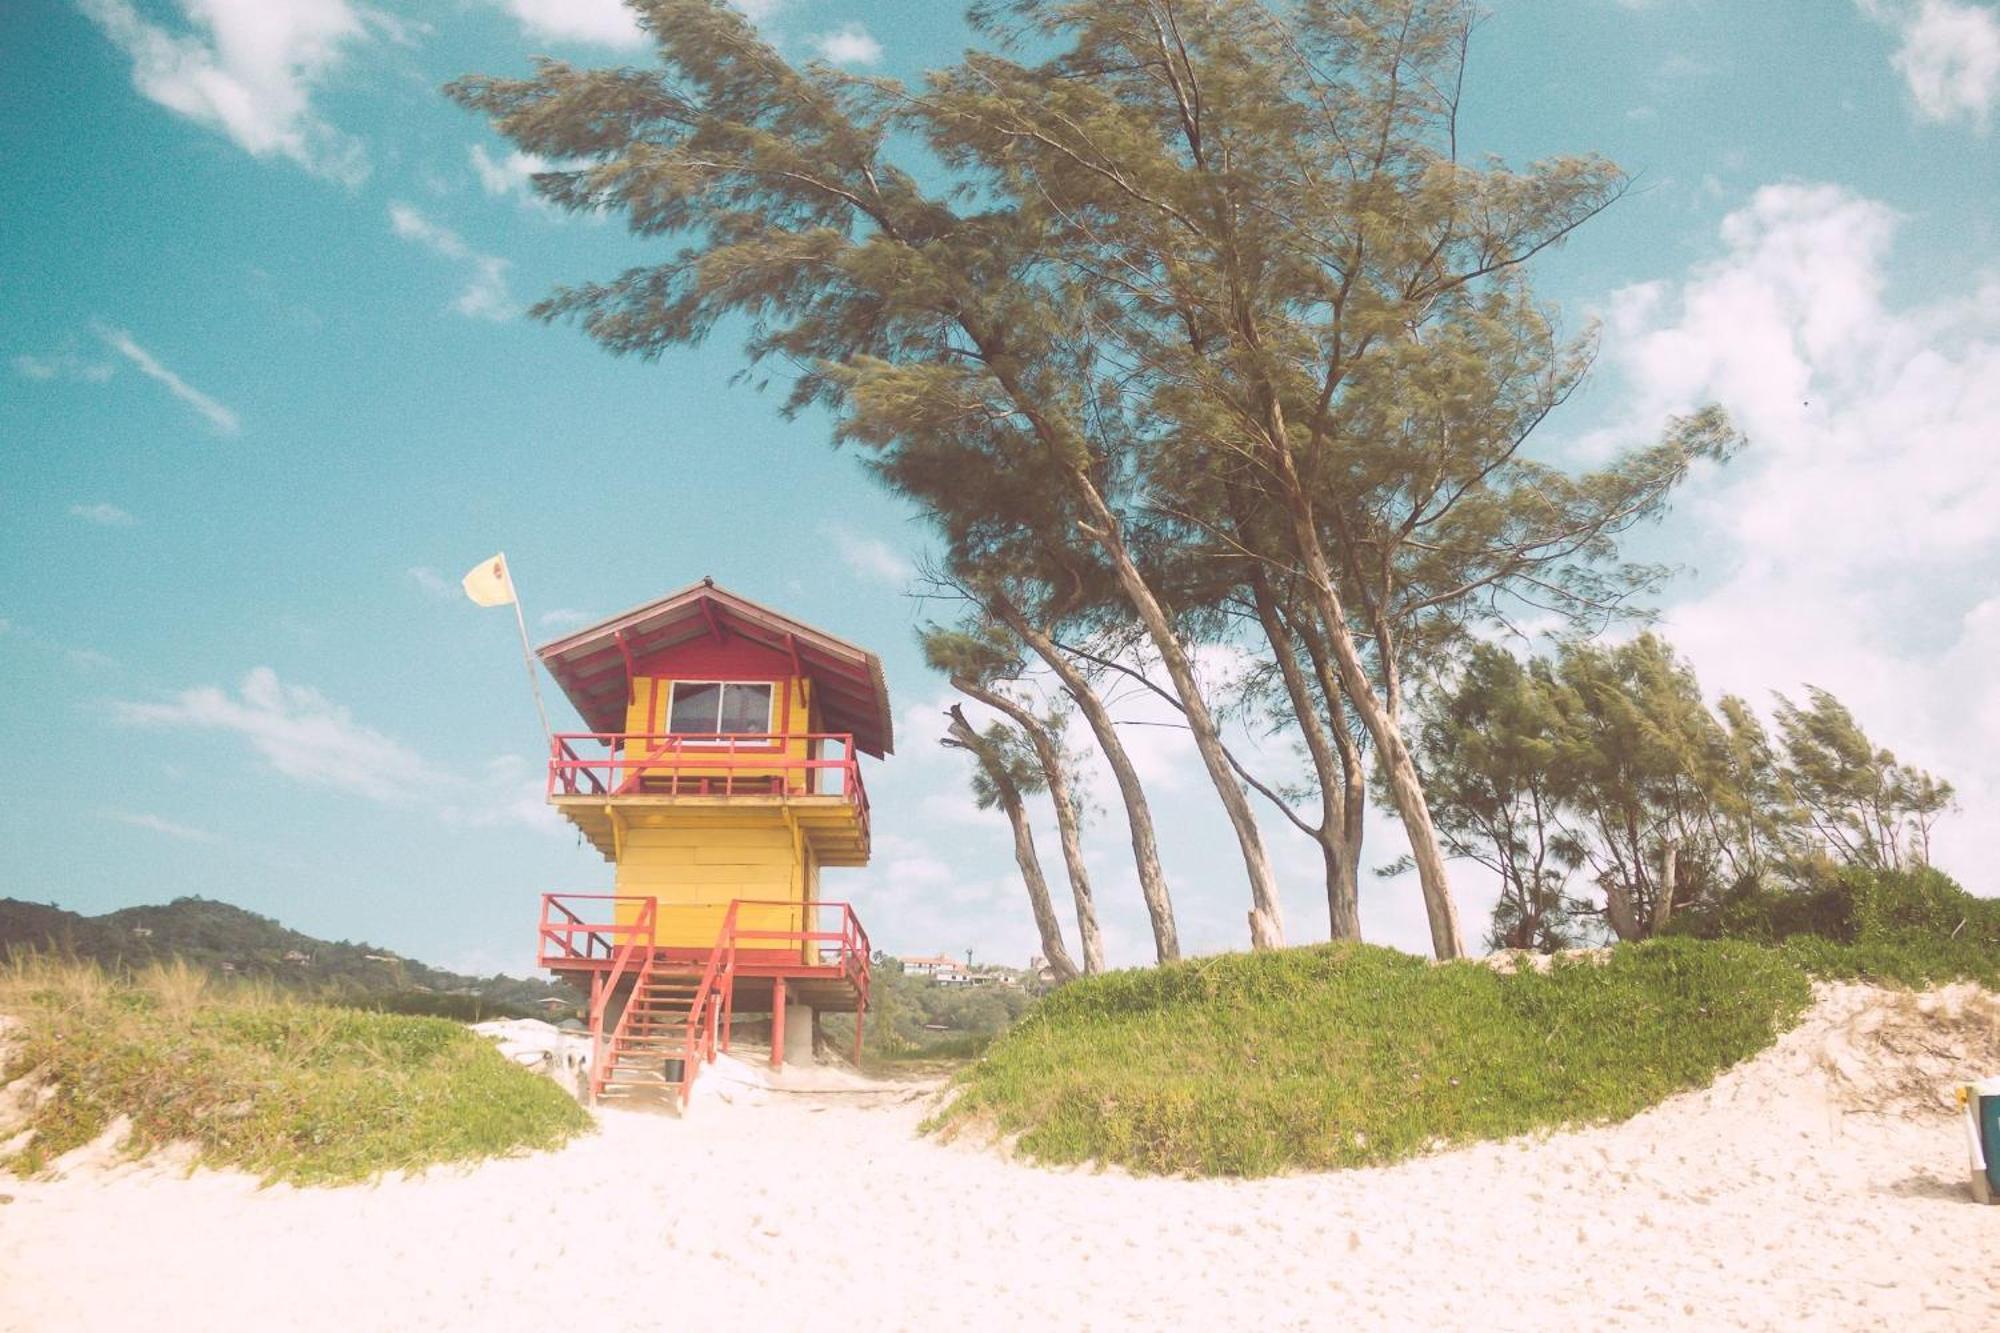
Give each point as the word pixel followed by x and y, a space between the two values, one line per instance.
pixel 859 1011
pixel 777 1022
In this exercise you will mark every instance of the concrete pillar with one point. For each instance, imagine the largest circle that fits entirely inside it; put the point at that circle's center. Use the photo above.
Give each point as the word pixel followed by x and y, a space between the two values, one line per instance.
pixel 799 1026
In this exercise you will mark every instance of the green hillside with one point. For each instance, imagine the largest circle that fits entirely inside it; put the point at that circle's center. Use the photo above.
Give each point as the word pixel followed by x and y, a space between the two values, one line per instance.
pixel 226 940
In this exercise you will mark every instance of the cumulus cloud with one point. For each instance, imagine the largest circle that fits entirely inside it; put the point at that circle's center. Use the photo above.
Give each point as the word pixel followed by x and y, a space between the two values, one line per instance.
pixel 296 730
pixel 869 557
pixel 1853 544
pixel 104 515
pixel 485 295
pixel 248 69
pixel 509 175
pixel 223 419
pixel 591 22
pixel 1949 57
pixel 300 733
pixel 849 44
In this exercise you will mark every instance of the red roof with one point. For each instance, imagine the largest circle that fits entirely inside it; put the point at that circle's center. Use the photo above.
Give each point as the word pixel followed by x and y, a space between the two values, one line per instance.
pixel 592 664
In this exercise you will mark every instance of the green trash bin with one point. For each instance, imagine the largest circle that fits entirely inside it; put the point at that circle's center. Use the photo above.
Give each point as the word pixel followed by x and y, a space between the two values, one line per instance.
pixel 1981 1101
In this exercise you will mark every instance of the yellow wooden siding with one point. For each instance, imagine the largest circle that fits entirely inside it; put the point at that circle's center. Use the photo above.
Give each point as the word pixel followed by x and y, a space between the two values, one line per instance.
pixel 693 863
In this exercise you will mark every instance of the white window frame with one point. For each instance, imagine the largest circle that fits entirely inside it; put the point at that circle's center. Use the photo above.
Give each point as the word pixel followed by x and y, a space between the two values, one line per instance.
pixel 720 739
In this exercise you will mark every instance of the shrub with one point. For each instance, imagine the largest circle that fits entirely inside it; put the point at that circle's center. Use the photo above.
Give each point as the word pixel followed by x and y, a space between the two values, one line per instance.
pixel 1906 927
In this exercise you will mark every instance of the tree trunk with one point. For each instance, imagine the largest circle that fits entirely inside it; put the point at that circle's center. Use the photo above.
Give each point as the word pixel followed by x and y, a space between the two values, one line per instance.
pixel 1343 906
pixel 1050 756
pixel 1267 927
pixel 1405 786
pixel 1618 910
pixel 1138 812
pixel 1024 845
pixel 1354 774
pixel 1663 902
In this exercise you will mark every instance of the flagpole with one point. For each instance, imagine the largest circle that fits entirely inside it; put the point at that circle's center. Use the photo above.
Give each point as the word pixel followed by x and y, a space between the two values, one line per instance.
pixel 528 654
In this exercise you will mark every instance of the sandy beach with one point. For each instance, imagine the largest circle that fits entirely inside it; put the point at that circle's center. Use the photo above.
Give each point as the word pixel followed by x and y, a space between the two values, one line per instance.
pixel 1765 1201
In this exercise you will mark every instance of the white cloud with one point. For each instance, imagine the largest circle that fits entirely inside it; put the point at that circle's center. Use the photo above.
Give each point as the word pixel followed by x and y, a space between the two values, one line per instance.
pixel 248 68
pixel 432 582
pixel 592 22
pixel 1853 543
pixel 485 295
pixel 1949 57
pixel 222 418
pixel 184 832
pixel 298 731
pixel 510 174
pixel 65 363
pixel 849 44
pixel 104 515
pixel 868 557
pixel 309 738
pixel 564 617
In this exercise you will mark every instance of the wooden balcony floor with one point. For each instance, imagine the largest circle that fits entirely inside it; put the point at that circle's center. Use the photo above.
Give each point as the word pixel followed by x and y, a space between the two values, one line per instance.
pixel 837 831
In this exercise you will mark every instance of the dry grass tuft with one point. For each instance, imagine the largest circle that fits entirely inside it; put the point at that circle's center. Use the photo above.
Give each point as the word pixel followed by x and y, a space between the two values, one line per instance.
pixel 1903 1056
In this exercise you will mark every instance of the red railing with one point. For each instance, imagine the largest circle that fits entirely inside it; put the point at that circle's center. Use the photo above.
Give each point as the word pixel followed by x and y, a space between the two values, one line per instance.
pixel 742 764
pixel 638 948
pixel 708 1012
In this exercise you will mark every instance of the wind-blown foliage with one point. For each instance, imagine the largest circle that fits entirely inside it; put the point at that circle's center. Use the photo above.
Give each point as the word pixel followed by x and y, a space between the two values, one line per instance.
pixel 1197 308
pixel 1606 766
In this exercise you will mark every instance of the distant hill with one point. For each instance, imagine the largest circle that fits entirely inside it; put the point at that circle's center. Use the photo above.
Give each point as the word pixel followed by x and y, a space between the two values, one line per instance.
pixel 229 941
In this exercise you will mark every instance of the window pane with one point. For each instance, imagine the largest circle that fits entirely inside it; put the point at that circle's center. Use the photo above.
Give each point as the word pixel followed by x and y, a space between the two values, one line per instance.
pixel 746 708
pixel 695 707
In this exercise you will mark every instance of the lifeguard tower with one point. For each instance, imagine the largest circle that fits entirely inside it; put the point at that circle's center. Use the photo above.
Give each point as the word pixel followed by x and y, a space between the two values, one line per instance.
pixel 720 775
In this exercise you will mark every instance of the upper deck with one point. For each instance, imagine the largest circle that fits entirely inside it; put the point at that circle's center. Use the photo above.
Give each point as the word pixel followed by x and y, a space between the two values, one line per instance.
pixel 812 780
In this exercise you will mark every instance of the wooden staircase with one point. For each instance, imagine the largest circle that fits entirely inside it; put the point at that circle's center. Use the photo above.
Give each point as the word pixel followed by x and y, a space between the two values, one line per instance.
pixel 658 1026
pixel 677 1008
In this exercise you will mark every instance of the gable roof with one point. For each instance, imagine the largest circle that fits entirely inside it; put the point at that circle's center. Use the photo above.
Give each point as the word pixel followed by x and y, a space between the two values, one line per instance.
pixel 591 664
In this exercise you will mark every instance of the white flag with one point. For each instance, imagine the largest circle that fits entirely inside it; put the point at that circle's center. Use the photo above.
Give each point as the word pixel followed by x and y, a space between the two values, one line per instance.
pixel 488 583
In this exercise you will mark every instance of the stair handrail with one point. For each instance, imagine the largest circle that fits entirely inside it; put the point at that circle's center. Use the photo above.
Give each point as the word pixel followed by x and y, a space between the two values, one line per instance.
pixel 603 1047
pixel 701 1023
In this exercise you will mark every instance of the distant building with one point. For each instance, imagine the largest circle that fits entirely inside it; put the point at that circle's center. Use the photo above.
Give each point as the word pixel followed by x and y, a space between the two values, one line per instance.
pixel 941 969
pixel 294 956
pixel 143 932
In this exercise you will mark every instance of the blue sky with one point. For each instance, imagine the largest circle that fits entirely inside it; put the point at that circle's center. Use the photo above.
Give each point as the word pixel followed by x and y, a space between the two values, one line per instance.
pixel 265 393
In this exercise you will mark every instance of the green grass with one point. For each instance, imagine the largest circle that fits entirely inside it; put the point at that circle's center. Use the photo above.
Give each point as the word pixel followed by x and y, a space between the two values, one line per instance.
pixel 290 1090
pixel 1347 1055
pixel 1908 960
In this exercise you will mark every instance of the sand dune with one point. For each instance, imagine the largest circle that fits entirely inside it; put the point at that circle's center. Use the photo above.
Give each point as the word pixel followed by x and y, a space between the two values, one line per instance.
pixel 1767 1200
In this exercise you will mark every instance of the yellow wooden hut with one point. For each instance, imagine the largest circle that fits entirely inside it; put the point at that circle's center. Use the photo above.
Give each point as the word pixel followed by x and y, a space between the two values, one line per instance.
pixel 721 773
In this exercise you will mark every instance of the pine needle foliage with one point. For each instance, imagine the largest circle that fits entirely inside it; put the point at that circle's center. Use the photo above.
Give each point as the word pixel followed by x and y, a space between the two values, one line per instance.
pixel 1140 278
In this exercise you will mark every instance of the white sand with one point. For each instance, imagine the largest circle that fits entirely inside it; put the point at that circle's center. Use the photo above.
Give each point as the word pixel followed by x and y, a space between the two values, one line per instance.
pixel 1761 1202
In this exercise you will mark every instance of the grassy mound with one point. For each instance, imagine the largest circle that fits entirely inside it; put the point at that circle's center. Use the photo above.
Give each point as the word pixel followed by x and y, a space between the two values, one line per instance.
pixel 292 1091
pixel 1344 1055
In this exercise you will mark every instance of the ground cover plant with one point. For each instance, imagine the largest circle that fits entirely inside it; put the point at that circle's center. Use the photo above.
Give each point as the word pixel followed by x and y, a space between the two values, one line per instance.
pixel 1347 1054
pixel 272 1084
